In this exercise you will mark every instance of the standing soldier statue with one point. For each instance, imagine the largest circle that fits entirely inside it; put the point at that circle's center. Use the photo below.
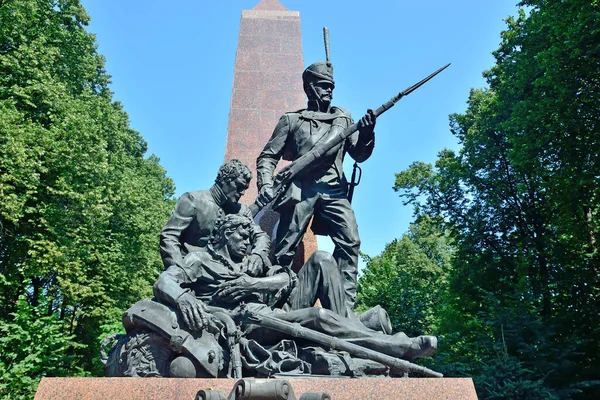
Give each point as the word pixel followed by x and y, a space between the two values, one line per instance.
pixel 321 192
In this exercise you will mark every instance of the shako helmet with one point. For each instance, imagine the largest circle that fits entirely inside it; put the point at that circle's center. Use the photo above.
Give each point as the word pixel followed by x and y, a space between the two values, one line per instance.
pixel 318 72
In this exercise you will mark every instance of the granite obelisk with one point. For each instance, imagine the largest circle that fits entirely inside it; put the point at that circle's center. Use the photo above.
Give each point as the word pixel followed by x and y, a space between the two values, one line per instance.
pixel 267 82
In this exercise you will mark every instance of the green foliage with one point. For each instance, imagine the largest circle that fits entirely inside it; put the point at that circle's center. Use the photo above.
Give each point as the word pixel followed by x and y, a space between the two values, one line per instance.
pixel 521 200
pixel 504 377
pixel 33 345
pixel 409 278
pixel 80 204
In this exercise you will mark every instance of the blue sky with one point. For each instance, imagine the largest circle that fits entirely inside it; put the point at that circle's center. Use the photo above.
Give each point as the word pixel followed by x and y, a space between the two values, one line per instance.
pixel 172 68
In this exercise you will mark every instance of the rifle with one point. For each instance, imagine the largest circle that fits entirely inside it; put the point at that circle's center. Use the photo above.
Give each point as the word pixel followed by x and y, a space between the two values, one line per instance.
pixel 297 331
pixel 311 159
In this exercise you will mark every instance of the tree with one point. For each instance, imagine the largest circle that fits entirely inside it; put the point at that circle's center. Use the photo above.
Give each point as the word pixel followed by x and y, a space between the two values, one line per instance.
pixel 33 345
pixel 80 203
pixel 409 278
pixel 521 199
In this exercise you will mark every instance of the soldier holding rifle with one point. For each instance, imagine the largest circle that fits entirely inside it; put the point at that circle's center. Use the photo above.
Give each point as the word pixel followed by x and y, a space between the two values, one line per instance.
pixel 313 186
pixel 322 193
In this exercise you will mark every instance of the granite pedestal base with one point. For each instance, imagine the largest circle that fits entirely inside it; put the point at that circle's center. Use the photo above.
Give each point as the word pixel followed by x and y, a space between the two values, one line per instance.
pixel 186 389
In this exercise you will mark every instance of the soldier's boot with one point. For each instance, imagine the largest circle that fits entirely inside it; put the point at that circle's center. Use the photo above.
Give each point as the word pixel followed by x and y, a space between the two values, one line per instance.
pixel 422 346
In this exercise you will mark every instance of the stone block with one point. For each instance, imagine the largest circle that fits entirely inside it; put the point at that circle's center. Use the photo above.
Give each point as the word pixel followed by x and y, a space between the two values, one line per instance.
pixel 186 389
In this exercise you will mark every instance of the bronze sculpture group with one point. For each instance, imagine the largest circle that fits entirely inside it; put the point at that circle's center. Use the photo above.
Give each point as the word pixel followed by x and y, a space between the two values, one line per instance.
pixel 224 307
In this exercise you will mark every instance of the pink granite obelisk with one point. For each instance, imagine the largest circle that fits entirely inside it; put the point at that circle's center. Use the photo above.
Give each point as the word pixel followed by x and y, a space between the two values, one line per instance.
pixel 267 82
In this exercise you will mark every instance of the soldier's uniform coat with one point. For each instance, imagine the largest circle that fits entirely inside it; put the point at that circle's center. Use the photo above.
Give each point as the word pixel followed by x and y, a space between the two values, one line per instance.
pixel 321 193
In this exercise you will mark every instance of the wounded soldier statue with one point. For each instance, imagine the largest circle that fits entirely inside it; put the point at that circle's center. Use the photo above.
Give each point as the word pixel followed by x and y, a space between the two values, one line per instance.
pixel 213 316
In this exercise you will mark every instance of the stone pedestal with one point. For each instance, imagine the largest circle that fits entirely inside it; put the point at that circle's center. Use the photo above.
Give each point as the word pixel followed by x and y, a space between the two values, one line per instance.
pixel 186 389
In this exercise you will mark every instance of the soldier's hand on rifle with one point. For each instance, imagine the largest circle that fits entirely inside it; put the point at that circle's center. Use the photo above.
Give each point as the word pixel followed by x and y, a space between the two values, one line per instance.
pixel 366 126
pixel 266 194
pixel 236 289
pixel 193 311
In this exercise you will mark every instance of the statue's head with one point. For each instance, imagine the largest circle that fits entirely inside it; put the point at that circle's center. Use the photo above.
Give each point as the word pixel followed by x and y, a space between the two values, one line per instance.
pixel 318 83
pixel 233 178
pixel 232 231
